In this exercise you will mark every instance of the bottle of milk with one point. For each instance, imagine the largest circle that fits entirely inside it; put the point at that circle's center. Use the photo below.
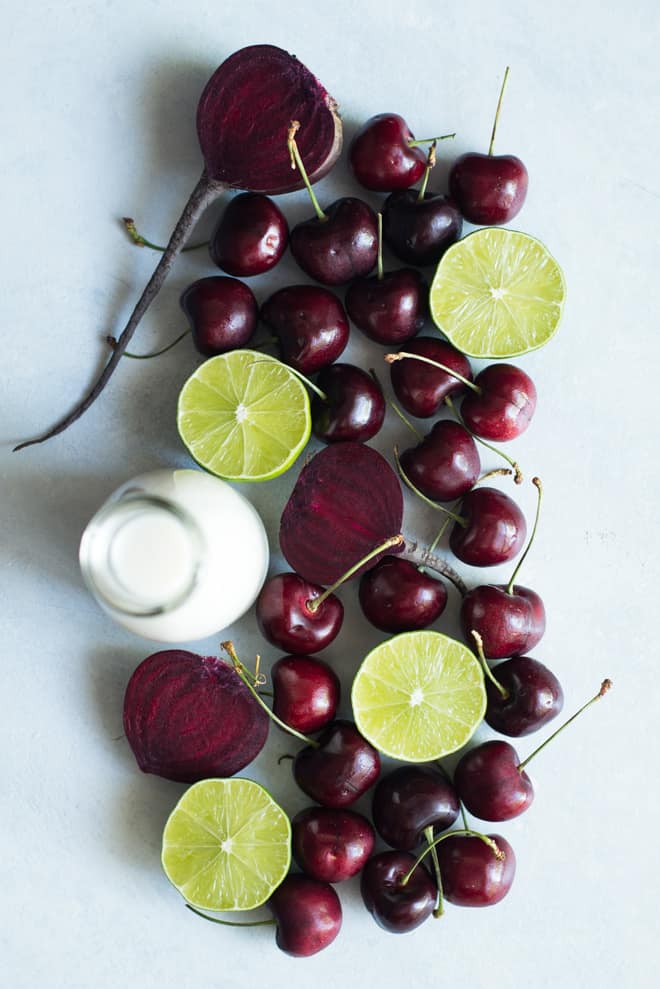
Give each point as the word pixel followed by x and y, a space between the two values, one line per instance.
pixel 175 555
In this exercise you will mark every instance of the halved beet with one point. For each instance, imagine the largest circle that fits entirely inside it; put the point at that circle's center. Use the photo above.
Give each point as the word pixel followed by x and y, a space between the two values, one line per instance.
pixel 190 717
pixel 346 502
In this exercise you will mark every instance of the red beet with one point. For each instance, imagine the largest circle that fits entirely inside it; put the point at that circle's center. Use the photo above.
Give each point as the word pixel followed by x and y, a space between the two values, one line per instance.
pixel 190 717
pixel 346 502
pixel 243 120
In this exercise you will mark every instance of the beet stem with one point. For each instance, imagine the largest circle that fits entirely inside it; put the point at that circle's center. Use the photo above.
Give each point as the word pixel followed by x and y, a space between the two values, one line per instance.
pixel 422 557
pixel 202 195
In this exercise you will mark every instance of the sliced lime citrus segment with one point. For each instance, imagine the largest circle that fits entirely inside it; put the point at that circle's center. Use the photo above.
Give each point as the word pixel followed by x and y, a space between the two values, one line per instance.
pixel 419 696
pixel 244 416
pixel 226 845
pixel 497 293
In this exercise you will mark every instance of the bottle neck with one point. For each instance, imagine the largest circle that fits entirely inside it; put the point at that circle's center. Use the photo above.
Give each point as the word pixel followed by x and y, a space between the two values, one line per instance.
pixel 141 554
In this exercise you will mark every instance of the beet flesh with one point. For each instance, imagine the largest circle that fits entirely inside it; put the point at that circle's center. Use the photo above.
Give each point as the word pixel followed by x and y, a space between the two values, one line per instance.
pixel 346 502
pixel 190 717
pixel 244 115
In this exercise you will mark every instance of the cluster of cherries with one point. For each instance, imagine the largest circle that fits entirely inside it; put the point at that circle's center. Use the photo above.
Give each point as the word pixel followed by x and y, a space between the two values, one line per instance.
pixel 340 245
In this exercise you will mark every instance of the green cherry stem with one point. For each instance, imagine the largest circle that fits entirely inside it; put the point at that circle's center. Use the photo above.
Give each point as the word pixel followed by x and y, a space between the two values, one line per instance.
pixel 129 226
pixel 604 687
pixel 403 417
pixel 497 112
pixel 430 163
pixel 499 854
pixel 463 816
pixel 517 473
pixel 297 162
pixel 232 923
pixel 536 481
pixel 440 906
pixel 430 140
pixel 405 355
pixel 504 693
pixel 315 603
pixel 432 504
pixel 242 672
pixel 155 353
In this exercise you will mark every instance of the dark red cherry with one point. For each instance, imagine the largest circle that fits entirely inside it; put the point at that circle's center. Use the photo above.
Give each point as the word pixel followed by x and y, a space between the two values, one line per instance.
pixel 472 875
pixel 222 313
pixel 420 388
pixel 308 915
pixel 310 325
pixel 488 189
pixel 391 309
pixel 420 231
pixel 445 465
pixel 509 623
pixel 381 155
pixel 305 692
pixel 534 697
pixel 505 406
pixel 340 769
pixel 395 907
pixel 331 845
pixel 494 528
pixel 340 247
pixel 490 784
pixel 250 237
pixel 396 596
pixel 286 619
pixel 354 408
pixel 410 799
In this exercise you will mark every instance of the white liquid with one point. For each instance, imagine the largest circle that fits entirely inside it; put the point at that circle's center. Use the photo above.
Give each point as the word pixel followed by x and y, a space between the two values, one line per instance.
pixel 141 557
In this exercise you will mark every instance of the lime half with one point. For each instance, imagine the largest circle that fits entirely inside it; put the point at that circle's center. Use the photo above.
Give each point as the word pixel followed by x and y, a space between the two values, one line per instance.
pixel 244 416
pixel 226 845
pixel 419 696
pixel 497 293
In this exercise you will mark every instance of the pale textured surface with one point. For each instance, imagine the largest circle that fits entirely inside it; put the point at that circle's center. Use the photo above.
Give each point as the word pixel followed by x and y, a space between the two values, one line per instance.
pixel 97 121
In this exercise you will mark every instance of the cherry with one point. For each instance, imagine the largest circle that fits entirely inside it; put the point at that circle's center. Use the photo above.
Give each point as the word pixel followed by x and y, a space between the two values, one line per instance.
pixel 472 873
pixel 308 915
pixel 525 696
pixel 222 313
pixel 384 155
pixel 305 692
pixel 352 406
pixel 338 244
pixel 490 528
pixel 422 388
pixel 445 465
pixel 288 618
pixel 395 906
pixel 331 845
pixel 503 405
pixel 489 189
pixel 409 801
pixel 396 596
pixel 339 768
pixel 310 325
pixel 250 237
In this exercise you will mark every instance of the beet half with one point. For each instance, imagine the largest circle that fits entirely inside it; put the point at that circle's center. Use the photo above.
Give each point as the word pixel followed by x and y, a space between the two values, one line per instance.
pixel 243 120
pixel 190 717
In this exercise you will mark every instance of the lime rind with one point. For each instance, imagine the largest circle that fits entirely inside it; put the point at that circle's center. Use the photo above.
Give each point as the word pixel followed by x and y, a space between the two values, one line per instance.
pixel 244 416
pixel 419 696
pixel 226 845
pixel 497 293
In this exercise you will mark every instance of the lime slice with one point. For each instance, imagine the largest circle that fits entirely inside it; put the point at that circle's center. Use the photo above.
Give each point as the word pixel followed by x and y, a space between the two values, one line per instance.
pixel 244 416
pixel 226 845
pixel 419 696
pixel 497 293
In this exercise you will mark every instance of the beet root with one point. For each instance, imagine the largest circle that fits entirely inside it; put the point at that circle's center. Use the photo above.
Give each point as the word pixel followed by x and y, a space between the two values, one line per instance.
pixel 190 717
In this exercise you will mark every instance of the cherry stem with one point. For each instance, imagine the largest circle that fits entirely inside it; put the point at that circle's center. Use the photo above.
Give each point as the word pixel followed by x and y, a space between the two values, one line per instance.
pixel 140 241
pixel 301 377
pixel 487 670
pixel 204 193
pixel 430 140
pixel 315 603
pixel 433 504
pixel 423 558
pixel 379 268
pixel 232 923
pixel 297 162
pixel 536 481
pixel 499 854
pixel 243 674
pixel 430 163
pixel 440 908
pixel 463 815
pixel 147 357
pixel 404 354
pixel 497 112
pixel 604 687
pixel 517 473
pixel 404 418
